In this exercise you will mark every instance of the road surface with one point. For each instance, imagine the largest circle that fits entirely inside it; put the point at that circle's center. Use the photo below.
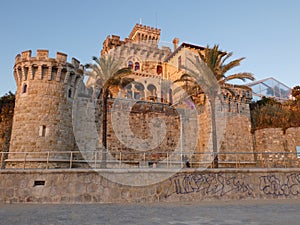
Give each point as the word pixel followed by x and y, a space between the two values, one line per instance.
pixel 255 212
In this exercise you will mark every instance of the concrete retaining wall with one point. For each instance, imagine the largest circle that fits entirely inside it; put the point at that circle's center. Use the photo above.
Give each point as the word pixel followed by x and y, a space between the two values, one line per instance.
pixel 87 186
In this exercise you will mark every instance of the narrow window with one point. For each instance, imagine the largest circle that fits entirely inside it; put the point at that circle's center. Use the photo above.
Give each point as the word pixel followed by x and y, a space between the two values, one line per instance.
pixel 42 131
pixel 159 69
pixel 137 66
pixel 179 62
pixel 24 90
pixel 130 65
pixel 70 93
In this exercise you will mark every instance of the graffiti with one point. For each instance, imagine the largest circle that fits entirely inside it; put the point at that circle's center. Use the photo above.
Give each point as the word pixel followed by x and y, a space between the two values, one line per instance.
pixel 220 184
pixel 209 184
pixel 273 185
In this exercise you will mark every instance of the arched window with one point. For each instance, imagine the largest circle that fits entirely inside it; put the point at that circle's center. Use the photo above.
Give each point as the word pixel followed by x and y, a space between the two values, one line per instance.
pixel 130 65
pixel 159 69
pixel 139 91
pixel 24 90
pixel 136 66
pixel 152 92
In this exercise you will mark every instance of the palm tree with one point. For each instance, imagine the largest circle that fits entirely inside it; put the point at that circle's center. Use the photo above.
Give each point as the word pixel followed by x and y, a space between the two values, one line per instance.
pixel 106 73
pixel 208 76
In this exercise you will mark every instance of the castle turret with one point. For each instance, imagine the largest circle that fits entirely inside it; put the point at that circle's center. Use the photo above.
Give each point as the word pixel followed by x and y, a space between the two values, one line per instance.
pixel 42 123
pixel 139 34
pixel 144 33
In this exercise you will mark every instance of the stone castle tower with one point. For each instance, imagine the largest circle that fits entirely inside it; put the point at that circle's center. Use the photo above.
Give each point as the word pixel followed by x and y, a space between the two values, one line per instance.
pixel 139 34
pixel 42 123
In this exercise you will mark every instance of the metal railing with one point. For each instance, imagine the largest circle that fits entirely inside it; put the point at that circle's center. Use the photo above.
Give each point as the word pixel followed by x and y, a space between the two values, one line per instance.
pixel 92 160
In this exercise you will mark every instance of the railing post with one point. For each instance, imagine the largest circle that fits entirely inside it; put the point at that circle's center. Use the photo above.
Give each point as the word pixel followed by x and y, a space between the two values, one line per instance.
pixel 47 164
pixel 120 160
pixel 95 163
pixel 167 160
pixel 71 159
pixel 24 163
pixel 2 160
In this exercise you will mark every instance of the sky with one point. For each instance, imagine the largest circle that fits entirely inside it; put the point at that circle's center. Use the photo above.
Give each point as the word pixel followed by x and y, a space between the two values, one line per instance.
pixel 266 32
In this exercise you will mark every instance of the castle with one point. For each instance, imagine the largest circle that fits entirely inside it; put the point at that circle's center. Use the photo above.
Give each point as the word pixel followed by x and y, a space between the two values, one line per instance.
pixel 56 119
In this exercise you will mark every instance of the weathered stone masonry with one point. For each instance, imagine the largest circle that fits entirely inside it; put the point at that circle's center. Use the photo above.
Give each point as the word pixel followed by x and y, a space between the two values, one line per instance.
pixel 42 117
pixel 6 118
pixel 86 186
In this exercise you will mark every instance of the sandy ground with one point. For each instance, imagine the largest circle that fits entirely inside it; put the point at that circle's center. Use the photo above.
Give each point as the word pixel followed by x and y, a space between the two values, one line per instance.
pixel 252 212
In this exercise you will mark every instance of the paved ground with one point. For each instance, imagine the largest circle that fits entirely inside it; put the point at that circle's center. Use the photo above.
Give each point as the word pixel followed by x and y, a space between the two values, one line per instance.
pixel 217 213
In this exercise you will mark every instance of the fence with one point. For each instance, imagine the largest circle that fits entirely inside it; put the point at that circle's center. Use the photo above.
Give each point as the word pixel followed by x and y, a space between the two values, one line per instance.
pixel 171 160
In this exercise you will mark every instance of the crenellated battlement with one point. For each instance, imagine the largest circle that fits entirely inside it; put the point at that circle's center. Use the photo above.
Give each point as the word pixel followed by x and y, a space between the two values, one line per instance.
pixel 40 55
pixel 142 32
pixel 241 94
pixel 237 102
pixel 41 67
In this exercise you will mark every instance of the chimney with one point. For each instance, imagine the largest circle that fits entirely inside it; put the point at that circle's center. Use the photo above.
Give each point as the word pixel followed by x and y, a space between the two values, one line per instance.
pixel 175 43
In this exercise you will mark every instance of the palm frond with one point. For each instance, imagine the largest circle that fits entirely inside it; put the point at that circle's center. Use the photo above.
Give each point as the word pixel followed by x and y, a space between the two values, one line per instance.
pixel 106 71
pixel 240 76
pixel 231 65
pixel 202 74
pixel 123 71
pixel 245 87
pixel 188 79
pixel 225 57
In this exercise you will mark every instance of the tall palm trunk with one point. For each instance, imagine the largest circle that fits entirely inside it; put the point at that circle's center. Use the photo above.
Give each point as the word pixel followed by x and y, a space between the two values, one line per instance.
pixel 214 131
pixel 104 128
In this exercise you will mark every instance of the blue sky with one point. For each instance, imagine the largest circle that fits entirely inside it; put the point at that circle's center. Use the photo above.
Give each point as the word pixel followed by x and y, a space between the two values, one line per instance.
pixel 266 32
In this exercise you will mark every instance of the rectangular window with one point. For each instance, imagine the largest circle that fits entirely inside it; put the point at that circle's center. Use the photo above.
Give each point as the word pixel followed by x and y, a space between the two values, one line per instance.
pixel 42 131
pixel 298 151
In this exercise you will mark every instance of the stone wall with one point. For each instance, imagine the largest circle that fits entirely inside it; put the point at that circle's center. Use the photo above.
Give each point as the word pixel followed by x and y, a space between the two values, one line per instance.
pixel 233 134
pixel 276 148
pixel 6 118
pixel 276 140
pixel 144 128
pixel 237 139
pixel 87 186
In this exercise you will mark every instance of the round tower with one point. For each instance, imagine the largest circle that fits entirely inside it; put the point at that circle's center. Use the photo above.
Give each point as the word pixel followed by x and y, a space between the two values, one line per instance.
pixel 42 123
